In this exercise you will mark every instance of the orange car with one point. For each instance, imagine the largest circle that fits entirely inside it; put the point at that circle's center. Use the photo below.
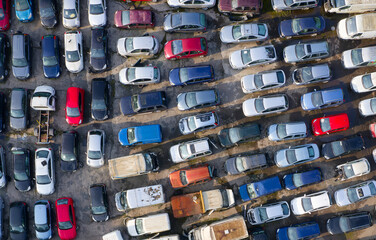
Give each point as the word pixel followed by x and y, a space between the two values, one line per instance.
pixel 189 176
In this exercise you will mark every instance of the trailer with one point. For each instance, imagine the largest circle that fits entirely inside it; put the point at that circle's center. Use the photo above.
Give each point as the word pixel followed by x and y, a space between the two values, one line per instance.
pixel 43 132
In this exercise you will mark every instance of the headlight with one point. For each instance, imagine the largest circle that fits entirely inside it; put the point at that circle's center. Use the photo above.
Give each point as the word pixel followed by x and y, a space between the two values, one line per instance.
pixel 80 121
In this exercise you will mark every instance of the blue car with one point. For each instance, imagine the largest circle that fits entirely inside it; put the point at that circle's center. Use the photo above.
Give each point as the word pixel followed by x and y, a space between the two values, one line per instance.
pixel 307 230
pixel 261 188
pixel 50 56
pixel 191 75
pixel 301 26
pixel 24 10
pixel 140 135
pixel 300 179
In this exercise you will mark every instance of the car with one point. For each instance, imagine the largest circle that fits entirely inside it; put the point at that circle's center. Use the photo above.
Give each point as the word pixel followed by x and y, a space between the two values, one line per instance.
pixel 4 15
pixel 146 225
pixel 22 169
pixel 201 4
pixel 343 147
pixel 43 98
pixel 265 105
pixel 99 99
pixel 355 193
pixel 65 218
pixel 69 151
pixel 322 99
pixel 3 171
pixel 138 46
pixel 51 56
pixel 367 107
pixel 74 60
pixel 296 155
pixel 330 124
pixel 280 5
pixel 4 55
pixel 74 106
pixel 18 221
pixel 47 13
pixel 260 188
pixel 372 129
pixel 301 179
pixel 268 213
pixel 359 57
pixel 229 137
pixel 258 233
pixel 310 203
pixel 301 26
pixel 134 18
pixel 364 83
pixel 240 7
pixel 184 22
pixel 3 101
pixel 248 57
pixel 190 176
pixel 302 52
pixel 355 168
pixel 143 103
pixel 71 14
pixel 306 230
pixel 263 81
pixel 97 13
pixel 199 122
pixel 190 150
pixel 44 171
pixel 96 140
pixel 99 50
pixel 140 135
pixel 186 48
pixel 98 205
pixel 349 222
pixel 191 75
pixel 43 219
pixel 311 74
pixel 24 10
pixel 287 131
pixel 21 56
pixel 18 109
pixel 139 75
pixel 248 32
pixel 197 99
pixel 349 6
pixel 244 163
pixel 360 26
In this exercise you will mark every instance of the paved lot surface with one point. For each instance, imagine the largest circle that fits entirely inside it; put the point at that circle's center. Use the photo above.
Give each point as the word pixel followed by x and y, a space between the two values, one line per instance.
pixel 227 84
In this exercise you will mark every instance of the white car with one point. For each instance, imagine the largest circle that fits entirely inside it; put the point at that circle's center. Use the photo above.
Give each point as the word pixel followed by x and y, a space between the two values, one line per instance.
pixel 147 225
pixel 95 148
pixel 263 81
pixel 287 131
pixel 359 57
pixel 364 83
pixel 190 150
pixel 279 5
pixel 44 171
pixel 311 74
pixel 139 75
pixel 97 13
pixel 244 33
pixel 367 107
pixel 354 168
pixel 296 155
pixel 355 193
pixel 268 213
pixel 138 46
pixel 265 105
pixel 252 56
pixel 201 4
pixel 310 203
pixel 43 98
pixel 305 52
pixel 71 13
pixel 74 59
pixel 357 27
pixel 199 122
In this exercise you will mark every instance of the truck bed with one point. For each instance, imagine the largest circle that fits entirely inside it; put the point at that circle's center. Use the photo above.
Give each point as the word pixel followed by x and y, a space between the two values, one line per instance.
pixel 187 205
pixel 121 167
pixel 230 229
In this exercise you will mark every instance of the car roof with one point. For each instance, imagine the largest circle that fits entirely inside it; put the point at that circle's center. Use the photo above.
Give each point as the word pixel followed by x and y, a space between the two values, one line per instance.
pixel 321 70
pixel 97 35
pixel 198 72
pixel 95 140
pixel 206 96
pixel 16 98
pixel 273 211
pixel 40 212
pixel 369 53
pixel 41 167
pixel 197 173
pixel 151 99
pixel 140 16
pixel 249 29
pixel 332 95
pixel 338 121
pixel 16 211
pixel 267 185
pixel 306 229
pixel 319 46
pixel 365 22
pixel 258 52
pixel 98 88
pixel 68 142
pixel 190 18
pixel 149 132
pixel 146 42
pixel 274 101
pixel 197 146
pixel 191 44
pixel 63 209
pixel 319 199
pixel 228 5
pixel 48 45
pixel 95 1
pixel 44 3
pixel 69 4
pixel 18 45
pixel 96 194
pixel 73 96
pixel 296 127
pixel 71 40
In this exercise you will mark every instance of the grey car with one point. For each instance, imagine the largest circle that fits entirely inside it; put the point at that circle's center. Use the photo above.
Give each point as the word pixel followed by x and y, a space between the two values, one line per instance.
pixel 42 219
pixel 306 52
pixel 18 109
pixel 322 99
pixel 185 22
pixel 21 55
pixel 312 74
pixel 197 99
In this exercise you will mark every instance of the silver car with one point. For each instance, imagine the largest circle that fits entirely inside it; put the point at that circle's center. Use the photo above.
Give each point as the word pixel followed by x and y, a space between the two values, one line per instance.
pixel 199 122
pixel 185 22
pixel 138 46
pixel 42 219
pixel 201 4
pixel 302 52
pixel 197 99
pixel 359 57
pixel 364 83
pixel 279 5
pixel 296 155
pixel 312 74
pixel 95 148
pixel 268 213
pixel 355 193
pixel 265 105
pixel 190 150
pixel 322 99
pixel 244 33
pixel 240 59
pixel 354 168
pixel 287 131
pixel 263 81
pixel 139 75
pixel 367 107
pixel 311 203
pixel 18 109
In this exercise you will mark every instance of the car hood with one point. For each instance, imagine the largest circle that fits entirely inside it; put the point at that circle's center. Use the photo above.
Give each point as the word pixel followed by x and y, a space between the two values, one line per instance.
pixel 327 151
pixel 97 20
pixel 167 23
pixel 168 50
pixel 236 60
pixel 282 233
pixel 365 107
pixel 333 225
pixel 306 101
pixel 95 163
pixel 272 133
pixel 126 105
pixel 248 83
pixel 226 34
pixel 342 29
pixel 24 15
pixel 289 54
pixel 71 23
pixel 49 22
pixel 21 72
pixel 121 46
pixel 230 166
pixel 131 227
pixel 119 206
pixel 74 120
pixel 224 138
pixel 346 59
pixel 285 28
pixel 45 189
pixel 99 115
pixel 174 77
pixel 357 84
pixel 19 236
pixel 289 183
pixel 44 235
pixel 75 67
pixel 280 159
pixel 181 101
pixel 23 186
pixel 67 234
pixel 18 123
pixel 68 166
pixel 183 126
pixel 341 197
pixel 100 217
pixel 123 137
pixel 297 207
pixel 98 64
pixel 249 108
pixel 174 154
pixel 51 72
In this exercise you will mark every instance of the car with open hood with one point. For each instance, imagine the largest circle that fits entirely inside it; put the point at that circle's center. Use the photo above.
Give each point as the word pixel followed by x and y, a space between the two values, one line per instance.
pixel 199 122
pixel 355 193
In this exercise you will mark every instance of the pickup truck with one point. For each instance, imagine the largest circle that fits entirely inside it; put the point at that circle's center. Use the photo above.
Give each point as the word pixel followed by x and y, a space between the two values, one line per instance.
pixel 261 188
pixel 201 202
pixel 140 135
pixel 43 98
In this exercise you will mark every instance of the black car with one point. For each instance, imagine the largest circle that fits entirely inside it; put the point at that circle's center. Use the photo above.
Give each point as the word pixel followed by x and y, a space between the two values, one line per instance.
pixel 343 147
pixel 99 205
pixel 2 111
pixel 98 50
pixel 229 137
pixel 99 99
pixel 21 164
pixel 4 53
pixel 349 222
pixel 47 12
pixel 258 234
pixel 144 102
pixel 69 151
pixel 18 221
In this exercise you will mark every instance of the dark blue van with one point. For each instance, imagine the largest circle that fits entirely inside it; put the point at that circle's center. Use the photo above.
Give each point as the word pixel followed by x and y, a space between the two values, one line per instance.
pixel 257 189
pixel 50 56
pixel 307 230
pixel 142 103
pixel 191 75
pixel 140 135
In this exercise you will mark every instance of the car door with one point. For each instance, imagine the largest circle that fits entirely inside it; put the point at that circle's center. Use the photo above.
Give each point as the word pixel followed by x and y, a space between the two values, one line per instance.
pixel 103 143
pixel 80 104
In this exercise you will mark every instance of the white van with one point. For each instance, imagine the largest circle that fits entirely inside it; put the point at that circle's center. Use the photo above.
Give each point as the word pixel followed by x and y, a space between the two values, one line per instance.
pixel 361 26
pixel 349 6
pixel 148 224
pixel 169 237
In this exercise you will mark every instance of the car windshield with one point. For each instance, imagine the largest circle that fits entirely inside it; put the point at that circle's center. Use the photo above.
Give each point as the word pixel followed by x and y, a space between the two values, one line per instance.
pixel 325 124
pixel 97 210
pixel 131 135
pixel 337 148
pixel 20 176
pixel 348 171
pixel 68 157
pixel 17 113
pixel 98 104
pixel 2 15
pixel 43 179
pixel 19 62
pixel 183 177
pixel 239 162
pixel 367 81
pixel 123 199
pixel 70 13
pixel 183 74
pixel 344 224
pixel 297 180
pixel 351 26
pixel 259 105
pixel 300 51
pixel 176 20
pixel 296 27
pixel 129 44
pixel 291 157
pixel 73 112
pixel 96 9
pixel 21 5
pixel 49 61
pixel 190 99
pixel 236 32
pixel 307 204
pixel 42 154
pixel 281 131
pixel 177 46
pixel 131 74
pixel 292 232
pixel 373 105
pixel 261 29
pixel 47 12
pixel 288 2
pixel 125 19
pixel 97 53
pixel 65 225
pixel 338 3
pixel 246 56
pixel 135 103
pixel 356 56
pixel 42 227
pixel 94 154
pixel 258 81
pixel 183 150
pixel 139 226
pixel 17 229
pixel 263 214
pixel 234 135
pixel 306 74
pixel 372 188
pixel 316 99
pixel 352 195
pixel 72 56
pixel 192 123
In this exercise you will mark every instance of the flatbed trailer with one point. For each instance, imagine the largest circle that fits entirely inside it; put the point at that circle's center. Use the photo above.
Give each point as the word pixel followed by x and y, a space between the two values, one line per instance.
pixel 43 132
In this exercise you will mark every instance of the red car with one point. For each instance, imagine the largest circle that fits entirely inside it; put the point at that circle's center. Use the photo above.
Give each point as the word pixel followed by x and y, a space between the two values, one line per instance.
pixel 134 19
pixel 4 15
pixel 189 176
pixel 74 107
pixel 186 48
pixel 330 124
pixel 372 128
pixel 65 218
pixel 241 7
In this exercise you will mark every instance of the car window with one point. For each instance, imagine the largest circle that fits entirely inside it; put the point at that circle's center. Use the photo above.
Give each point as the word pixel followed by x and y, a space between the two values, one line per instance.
pixel 49 168
pixel 79 100
pixel 71 214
